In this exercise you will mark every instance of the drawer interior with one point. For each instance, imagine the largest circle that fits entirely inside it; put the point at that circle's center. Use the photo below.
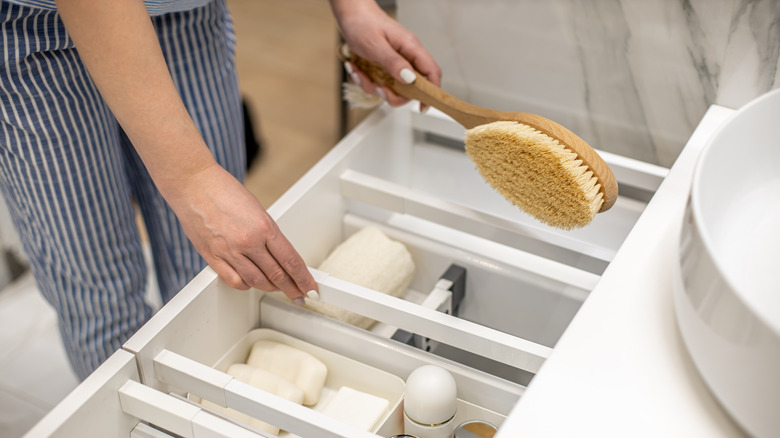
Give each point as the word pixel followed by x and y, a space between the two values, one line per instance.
pixel 404 166
pixel 408 174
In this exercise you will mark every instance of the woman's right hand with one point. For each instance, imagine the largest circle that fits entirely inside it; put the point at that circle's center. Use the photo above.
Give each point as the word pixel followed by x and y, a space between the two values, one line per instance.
pixel 237 237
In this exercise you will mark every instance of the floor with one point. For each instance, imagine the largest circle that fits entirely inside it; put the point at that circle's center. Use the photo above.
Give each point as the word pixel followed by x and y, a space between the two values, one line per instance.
pixel 290 78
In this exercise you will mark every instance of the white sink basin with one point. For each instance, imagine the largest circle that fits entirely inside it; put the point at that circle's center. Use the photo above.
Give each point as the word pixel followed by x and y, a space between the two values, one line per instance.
pixel 727 297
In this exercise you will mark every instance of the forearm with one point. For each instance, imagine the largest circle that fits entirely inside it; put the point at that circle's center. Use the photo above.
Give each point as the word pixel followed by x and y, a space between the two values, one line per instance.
pixel 225 223
pixel 118 44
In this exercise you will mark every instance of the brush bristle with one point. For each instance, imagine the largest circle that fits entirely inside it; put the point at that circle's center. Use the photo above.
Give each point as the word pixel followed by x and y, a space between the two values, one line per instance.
pixel 535 172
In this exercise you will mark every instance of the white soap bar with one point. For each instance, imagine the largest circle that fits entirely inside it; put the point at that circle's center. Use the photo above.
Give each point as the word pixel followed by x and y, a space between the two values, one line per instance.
pixel 306 371
pixel 357 408
pixel 267 381
pixel 370 259
pixel 264 380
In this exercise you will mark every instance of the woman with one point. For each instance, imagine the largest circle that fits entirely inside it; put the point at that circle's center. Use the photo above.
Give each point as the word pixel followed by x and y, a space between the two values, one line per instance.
pixel 102 105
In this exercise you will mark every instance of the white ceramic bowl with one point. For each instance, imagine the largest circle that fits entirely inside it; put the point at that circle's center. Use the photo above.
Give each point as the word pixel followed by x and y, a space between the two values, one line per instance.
pixel 727 297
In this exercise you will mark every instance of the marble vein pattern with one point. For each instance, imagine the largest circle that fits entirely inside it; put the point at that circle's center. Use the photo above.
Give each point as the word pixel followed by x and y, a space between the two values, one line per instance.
pixel 631 77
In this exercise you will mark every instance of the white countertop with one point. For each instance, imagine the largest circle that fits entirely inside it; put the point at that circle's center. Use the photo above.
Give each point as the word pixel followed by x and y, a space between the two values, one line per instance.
pixel 621 368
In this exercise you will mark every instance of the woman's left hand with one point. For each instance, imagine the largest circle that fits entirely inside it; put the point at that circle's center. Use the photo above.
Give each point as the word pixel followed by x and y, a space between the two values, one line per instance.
pixel 375 36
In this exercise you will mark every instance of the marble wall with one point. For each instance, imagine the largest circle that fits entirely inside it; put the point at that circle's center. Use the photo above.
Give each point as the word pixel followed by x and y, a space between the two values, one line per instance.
pixel 631 77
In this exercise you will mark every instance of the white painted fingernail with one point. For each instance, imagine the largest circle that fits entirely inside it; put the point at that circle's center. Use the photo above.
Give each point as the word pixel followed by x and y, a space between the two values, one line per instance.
pixel 299 301
pixel 381 93
pixel 351 72
pixel 313 294
pixel 408 76
pixel 355 78
pixel 345 51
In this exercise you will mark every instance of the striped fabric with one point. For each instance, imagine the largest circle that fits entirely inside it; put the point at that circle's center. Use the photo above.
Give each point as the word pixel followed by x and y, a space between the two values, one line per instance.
pixel 70 175
pixel 154 7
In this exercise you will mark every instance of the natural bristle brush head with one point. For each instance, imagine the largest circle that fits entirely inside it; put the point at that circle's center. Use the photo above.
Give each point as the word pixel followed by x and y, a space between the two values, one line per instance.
pixel 535 172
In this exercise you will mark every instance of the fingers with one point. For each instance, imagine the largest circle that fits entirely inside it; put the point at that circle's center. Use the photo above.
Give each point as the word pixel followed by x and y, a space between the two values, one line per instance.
pixel 369 87
pixel 236 236
pixel 422 61
pixel 228 274
pixel 401 54
pixel 300 279
pixel 404 51
pixel 263 270
pixel 277 266
pixel 267 275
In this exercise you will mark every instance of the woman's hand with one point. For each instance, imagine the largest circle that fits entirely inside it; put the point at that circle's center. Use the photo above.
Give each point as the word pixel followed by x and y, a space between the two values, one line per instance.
pixel 375 36
pixel 239 240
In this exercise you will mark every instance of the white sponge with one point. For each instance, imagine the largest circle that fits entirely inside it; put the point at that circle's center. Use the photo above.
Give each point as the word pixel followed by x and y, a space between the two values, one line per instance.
pixel 370 259
pixel 357 408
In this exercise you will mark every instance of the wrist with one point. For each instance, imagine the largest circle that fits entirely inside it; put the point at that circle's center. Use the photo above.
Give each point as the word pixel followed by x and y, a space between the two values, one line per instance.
pixel 344 10
pixel 175 175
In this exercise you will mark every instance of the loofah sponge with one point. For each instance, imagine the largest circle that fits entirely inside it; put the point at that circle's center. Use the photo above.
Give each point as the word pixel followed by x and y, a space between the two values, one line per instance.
pixel 535 172
pixel 370 259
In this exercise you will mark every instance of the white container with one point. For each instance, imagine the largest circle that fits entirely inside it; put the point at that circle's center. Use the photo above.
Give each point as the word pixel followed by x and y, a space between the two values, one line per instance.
pixel 727 295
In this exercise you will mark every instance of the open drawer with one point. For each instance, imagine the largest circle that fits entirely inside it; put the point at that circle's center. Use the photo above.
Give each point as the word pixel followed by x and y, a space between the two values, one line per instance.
pixel 183 362
pixel 406 174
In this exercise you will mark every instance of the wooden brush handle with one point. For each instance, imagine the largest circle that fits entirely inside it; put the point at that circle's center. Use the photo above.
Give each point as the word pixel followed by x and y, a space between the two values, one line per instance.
pixel 470 116
pixel 426 92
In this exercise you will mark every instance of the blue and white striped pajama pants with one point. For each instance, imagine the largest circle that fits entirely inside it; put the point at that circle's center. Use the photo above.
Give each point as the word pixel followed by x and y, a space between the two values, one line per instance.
pixel 72 178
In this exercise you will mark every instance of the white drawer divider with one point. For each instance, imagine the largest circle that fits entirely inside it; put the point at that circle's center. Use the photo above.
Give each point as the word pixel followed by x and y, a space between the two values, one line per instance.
pixel 478 339
pixel 400 199
pixel 174 415
pixel 188 375
pixel 157 408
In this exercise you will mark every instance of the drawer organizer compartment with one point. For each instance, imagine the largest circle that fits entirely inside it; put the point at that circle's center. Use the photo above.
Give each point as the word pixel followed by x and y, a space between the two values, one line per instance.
pixel 491 294
pixel 182 363
pixel 341 372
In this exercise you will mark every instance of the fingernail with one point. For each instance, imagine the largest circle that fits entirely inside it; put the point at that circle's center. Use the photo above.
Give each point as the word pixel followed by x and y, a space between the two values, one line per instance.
pixel 351 72
pixel 408 76
pixel 299 301
pixel 355 78
pixel 313 294
pixel 381 93
pixel 345 51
